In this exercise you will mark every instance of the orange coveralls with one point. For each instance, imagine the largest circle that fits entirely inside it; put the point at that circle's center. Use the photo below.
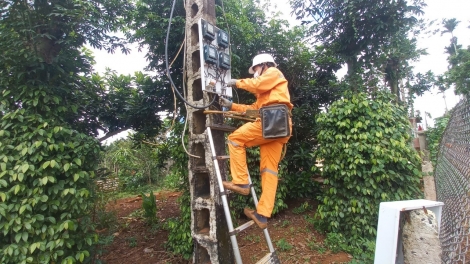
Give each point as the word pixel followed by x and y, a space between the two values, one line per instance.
pixel 269 88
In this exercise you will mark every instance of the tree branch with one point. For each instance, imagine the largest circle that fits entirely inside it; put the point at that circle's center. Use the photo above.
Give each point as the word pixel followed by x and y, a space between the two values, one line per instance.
pixel 110 134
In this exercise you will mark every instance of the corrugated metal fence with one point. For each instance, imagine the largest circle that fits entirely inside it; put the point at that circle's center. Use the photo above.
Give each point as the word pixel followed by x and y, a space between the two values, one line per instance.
pixel 452 176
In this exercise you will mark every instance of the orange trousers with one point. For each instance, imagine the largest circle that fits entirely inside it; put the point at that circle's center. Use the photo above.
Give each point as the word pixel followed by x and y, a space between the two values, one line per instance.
pixel 250 135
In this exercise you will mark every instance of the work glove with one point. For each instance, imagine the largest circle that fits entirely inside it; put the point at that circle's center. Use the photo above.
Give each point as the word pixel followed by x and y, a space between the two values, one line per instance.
pixel 225 103
pixel 232 83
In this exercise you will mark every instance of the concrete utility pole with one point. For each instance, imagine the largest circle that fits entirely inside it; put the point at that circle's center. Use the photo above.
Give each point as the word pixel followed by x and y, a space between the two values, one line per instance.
pixel 208 225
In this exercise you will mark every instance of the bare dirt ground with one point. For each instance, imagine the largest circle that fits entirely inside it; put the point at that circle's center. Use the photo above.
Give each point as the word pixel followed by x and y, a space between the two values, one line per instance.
pixel 294 239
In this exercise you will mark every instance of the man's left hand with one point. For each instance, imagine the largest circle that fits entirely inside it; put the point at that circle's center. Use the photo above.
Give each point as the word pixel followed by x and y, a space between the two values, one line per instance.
pixel 225 103
pixel 232 83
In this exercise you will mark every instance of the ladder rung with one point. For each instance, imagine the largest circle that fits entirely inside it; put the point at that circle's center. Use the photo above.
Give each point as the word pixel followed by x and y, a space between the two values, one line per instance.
pixel 225 128
pixel 224 157
pixel 269 258
pixel 200 169
pixel 242 227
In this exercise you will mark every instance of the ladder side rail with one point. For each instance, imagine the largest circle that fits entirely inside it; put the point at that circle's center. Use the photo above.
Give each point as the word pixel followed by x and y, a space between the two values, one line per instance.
pixel 253 193
pixel 255 199
pixel 233 239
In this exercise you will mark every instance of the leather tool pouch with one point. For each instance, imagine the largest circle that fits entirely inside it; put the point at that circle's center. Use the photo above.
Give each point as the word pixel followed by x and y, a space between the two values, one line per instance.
pixel 275 121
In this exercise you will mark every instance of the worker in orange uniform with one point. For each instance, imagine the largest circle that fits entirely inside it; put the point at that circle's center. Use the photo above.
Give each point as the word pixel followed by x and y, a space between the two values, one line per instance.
pixel 270 88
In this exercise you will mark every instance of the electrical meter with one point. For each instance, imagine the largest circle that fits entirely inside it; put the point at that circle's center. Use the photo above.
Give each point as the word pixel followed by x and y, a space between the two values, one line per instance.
pixel 208 31
pixel 210 54
pixel 222 39
pixel 224 61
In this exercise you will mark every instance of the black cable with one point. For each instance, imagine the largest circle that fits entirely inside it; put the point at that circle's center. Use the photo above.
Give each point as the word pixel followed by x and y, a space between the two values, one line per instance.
pixel 168 68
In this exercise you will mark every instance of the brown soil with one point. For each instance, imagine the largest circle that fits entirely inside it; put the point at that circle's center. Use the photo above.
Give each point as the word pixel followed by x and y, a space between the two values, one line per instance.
pixel 136 243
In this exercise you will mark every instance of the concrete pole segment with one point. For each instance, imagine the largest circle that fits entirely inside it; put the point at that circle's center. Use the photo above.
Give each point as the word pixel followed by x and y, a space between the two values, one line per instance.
pixel 208 226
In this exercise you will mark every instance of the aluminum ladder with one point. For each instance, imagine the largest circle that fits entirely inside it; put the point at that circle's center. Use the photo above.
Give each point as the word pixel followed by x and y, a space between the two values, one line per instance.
pixel 271 257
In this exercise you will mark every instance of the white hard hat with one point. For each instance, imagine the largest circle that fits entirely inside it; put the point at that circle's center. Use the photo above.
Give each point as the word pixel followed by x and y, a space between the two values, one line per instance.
pixel 261 58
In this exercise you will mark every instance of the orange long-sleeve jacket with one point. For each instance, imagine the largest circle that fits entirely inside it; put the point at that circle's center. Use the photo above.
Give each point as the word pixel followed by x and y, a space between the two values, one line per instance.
pixel 269 88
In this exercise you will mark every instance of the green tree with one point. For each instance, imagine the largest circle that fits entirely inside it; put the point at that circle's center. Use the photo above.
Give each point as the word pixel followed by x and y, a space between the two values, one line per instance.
pixel 458 73
pixel 48 115
pixel 359 31
pixel 368 159
pixel 129 102
pixel 449 26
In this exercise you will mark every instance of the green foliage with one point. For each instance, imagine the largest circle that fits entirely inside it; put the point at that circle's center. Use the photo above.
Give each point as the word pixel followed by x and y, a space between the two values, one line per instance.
pixel 313 244
pixel 364 252
pixel 283 245
pixel 180 240
pixel 298 179
pixel 371 37
pixel 302 208
pixel 368 159
pixel 45 182
pixel 150 208
pixel 137 165
pixel 335 242
pixel 50 105
pixel 459 72
pixel 252 238
pixel 105 222
pixel 103 218
pixel 285 223
pixel 434 135
pixel 129 102
pixel 132 241
pixel 46 68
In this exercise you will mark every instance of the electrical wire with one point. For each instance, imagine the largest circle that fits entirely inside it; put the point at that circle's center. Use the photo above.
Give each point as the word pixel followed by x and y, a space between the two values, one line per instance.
pixel 174 95
pixel 187 112
pixel 229 45
pixel 173 86
pixel 184 93
pixel 228 29
pixel 174 101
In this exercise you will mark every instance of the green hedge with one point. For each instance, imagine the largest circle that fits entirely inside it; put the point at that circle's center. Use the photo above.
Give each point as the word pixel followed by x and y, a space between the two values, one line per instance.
pixel 368 159
pixel 45 176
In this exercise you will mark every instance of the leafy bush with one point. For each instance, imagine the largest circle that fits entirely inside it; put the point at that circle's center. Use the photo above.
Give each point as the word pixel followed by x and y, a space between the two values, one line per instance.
pixel 365 144
pixel 283 245
pixel 45 177
pixel 150 208
pixel 137 164
pixel 434 135
pixel 304 207
pixel 335 242
pixel 179 240
pixel 298 179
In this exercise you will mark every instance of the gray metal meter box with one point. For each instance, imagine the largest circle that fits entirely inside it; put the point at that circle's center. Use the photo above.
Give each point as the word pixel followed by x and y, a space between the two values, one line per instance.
pixel 215 66
pixel 210 54
pixel 224 61
pixel 222 39
pixel 208 31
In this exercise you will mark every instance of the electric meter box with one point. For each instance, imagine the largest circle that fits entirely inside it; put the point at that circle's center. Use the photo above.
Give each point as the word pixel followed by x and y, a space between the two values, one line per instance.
pixel 215 60
pixel 224 61
pixel 210 54
pixel 222 39
pixel 208 31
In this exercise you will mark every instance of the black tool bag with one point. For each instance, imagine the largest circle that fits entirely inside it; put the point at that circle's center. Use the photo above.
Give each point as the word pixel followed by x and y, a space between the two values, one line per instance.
pixel 275 121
